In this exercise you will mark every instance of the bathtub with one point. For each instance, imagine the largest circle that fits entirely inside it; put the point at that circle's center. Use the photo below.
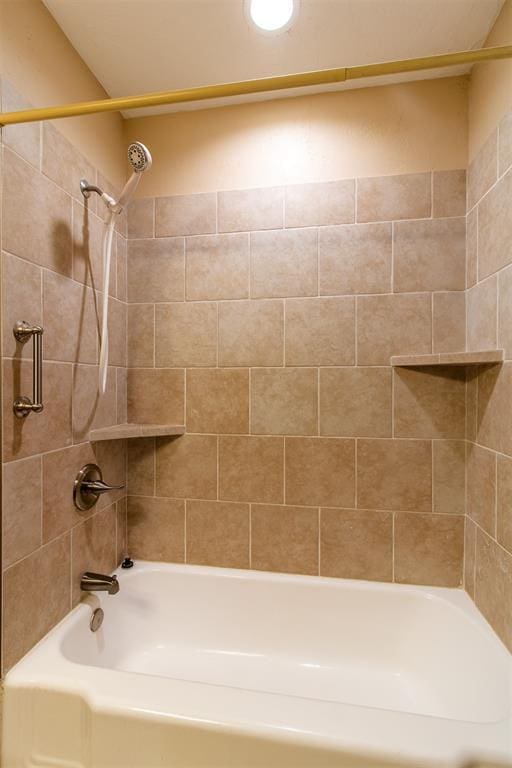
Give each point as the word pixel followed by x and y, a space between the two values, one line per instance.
pixel 198 667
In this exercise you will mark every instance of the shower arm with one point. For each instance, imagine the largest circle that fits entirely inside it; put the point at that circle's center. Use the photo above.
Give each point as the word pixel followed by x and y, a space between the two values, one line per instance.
pixel 261 85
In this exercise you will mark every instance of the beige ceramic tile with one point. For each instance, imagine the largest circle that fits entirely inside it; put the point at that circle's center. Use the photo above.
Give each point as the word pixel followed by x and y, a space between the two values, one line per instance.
pixel 355 259
pixel 217 267
pixel 21 502
pixel 43 431
pixel 355 402
pixel 481 307
pixel 70 320
pixel 482 170
pixel 469 557
pixel 218 534
pixel 394 474
pixel 284 539
pixel 429 255
pixel 495 228
pixel 46 572
pixel 430 403
pixel 320 471
pixel 393 325
pixel 63 163
pixel 331 202
pixel 251 333
pixel 481 487
pixel 141 335
pixel 493 586
pixel 472 248
pixel 504 502
pixel 494 413
pixel 21 301
pixel 59 513
pixel 449 321
pixel 449 193
pixel 218 400
pixel 121 531
pixel 186 467
pixel 186 334
pixel 356 544
pixel 44 236
pixel 243 210
pixel 284 401
pixel 471 403
pixel 93 547
pixel 156 529
pixel 385 198
pixel 90 409
pixel 429 549
pixel 185 215
pixel 156 270
pixel 284 263
pixel 505 144
pixel 117 333
pixel 505 312
pixel 320 331
pixel 88 230
pixel 122 268
pixel 449 476
pixel 251 469
pixel 122 395
pixel 156 396
pixel 141 466
pixel 141 218
pixel 25 137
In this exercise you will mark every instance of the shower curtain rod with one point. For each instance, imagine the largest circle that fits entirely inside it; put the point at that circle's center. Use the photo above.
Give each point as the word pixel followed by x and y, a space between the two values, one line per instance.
pixel 261 85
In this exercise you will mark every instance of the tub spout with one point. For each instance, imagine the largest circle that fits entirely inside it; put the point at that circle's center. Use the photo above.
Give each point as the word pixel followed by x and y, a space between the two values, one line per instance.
pixel 97 582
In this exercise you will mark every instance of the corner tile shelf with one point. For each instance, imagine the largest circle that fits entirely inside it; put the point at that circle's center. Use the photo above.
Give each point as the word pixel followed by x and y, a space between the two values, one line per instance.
pixel 485 357
pixel 128 431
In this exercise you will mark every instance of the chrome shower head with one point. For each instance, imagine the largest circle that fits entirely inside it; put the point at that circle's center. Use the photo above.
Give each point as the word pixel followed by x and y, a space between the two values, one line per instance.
pixel 139 157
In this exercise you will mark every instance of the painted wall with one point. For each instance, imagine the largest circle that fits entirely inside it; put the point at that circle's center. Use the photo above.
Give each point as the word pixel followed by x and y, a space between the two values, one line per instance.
pixel 490 91
pixel 40 62
pixel 369 132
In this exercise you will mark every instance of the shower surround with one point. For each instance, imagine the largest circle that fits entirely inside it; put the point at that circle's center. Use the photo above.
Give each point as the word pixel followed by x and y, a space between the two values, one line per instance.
pixel 265 321
pixel 51 262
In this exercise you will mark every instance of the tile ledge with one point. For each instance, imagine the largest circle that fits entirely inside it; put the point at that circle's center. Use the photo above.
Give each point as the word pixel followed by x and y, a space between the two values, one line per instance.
pixel 480 357
pixel 127 431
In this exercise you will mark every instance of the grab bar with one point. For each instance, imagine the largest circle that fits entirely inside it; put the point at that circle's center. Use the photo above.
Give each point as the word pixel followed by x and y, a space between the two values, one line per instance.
pixel 22 406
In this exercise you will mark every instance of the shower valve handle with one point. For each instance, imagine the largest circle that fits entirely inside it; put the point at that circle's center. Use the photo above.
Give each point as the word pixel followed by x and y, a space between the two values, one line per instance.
pixel 98 486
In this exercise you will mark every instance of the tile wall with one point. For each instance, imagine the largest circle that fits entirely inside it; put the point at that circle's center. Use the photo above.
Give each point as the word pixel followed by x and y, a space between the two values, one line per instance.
pixel 51 274
pixel 488 550
pixel 265 320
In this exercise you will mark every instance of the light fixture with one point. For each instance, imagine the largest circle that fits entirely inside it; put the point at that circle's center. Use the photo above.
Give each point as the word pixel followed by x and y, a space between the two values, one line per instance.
pixel 272 15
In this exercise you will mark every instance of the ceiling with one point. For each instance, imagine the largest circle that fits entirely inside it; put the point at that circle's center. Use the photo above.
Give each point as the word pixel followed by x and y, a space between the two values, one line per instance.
pixel 137 46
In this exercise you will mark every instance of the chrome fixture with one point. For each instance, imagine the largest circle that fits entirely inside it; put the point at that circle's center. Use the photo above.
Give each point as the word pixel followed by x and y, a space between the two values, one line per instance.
pixel 22 406
pixel 98 582
pixel 89 486
pixel 96 619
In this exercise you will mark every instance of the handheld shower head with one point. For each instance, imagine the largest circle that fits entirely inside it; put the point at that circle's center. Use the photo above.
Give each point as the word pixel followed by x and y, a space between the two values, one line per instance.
pixel 140 160
pixel 139 157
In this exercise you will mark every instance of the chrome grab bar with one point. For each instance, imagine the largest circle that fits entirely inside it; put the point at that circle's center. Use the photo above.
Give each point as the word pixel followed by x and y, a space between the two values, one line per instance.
pixel 22 406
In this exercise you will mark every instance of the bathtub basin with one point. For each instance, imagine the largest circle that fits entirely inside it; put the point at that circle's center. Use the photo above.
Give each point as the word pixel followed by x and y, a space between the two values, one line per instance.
pixel 197 666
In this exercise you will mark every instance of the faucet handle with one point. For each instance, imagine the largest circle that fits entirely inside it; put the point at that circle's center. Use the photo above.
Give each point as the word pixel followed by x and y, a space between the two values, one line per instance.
pixel 98 486
pixel 89 486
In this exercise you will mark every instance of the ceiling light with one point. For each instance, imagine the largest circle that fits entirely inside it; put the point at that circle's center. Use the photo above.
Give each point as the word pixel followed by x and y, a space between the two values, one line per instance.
pixel 272 15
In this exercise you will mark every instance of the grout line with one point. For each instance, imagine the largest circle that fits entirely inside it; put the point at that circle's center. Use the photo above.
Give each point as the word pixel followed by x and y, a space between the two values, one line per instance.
pixel 319 541
pixel 393 547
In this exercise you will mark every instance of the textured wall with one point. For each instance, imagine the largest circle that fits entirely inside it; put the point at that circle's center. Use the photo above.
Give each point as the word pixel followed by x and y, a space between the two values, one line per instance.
pixel 265 320
pixel 51 272
pixel 488 560
pixel 391 129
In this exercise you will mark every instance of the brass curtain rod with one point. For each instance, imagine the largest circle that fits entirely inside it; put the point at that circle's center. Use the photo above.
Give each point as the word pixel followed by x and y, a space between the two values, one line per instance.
pixel 261 85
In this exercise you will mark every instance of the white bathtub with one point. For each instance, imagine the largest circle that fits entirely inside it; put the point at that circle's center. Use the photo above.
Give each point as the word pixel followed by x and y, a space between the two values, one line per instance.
pixel 212 667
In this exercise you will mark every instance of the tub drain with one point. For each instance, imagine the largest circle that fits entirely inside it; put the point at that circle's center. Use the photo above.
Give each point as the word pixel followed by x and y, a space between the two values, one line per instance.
pixel 96 619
